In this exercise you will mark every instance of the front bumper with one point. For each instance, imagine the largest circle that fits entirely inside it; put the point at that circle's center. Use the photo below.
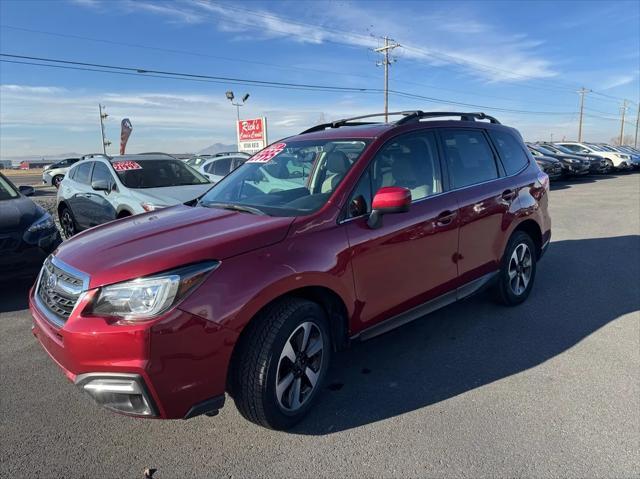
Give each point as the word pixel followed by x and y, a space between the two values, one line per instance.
pixel 179 360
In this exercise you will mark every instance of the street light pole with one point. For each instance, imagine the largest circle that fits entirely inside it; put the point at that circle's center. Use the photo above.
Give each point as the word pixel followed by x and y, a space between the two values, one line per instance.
pixel 230 96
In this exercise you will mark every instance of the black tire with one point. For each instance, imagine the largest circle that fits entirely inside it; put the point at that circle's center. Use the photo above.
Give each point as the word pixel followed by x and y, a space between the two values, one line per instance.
pixel 509 290
pixel 56 180
pixel 258 363
pixel 67 222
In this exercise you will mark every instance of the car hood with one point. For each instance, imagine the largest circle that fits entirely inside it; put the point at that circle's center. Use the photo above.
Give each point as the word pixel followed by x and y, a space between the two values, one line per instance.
pixel 161 240
pixel 18 214
pixel 171 195
pixel 546 159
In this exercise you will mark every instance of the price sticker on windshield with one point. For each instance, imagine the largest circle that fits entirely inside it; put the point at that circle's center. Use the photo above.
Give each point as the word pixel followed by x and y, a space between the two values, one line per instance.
pixel 267 154
pixel 125 165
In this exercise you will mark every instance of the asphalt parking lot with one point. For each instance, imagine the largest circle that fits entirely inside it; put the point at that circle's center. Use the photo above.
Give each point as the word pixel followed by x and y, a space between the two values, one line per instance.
pixel 547 389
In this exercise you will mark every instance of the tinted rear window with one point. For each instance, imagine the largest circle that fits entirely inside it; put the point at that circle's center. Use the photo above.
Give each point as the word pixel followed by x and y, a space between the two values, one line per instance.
pixel 469 157
pixel 511 153
pixel 145 173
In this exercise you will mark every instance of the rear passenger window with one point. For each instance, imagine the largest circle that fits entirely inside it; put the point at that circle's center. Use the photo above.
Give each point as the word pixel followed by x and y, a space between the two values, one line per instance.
pixel 469 157
pixel 410 161
pixel 83 172
pixel 511 153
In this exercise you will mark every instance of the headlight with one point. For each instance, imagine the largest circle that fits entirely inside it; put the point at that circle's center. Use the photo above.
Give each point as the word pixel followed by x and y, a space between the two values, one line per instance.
pixel 151 206
pixel 146 298
pixel 45 222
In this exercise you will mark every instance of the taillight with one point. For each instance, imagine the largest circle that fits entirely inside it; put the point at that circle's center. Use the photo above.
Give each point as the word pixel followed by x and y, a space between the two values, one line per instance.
pixel 543 178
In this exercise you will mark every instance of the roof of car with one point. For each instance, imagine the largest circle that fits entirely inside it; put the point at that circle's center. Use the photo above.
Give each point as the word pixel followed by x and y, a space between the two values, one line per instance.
pixel 143 157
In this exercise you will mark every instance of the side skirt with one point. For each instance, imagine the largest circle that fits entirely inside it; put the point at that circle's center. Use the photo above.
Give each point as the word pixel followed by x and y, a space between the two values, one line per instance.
pixel 430 306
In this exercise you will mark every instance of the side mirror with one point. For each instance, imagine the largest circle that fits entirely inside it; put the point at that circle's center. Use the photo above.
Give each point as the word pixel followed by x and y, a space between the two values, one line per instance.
pixel 26 190
pixel 389 199
pixel 101 185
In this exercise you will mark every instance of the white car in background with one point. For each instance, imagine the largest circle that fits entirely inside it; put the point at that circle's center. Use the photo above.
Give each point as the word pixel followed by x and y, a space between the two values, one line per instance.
pixel 53 174
pixel 217 167
pixel 104 188
pixel 620 161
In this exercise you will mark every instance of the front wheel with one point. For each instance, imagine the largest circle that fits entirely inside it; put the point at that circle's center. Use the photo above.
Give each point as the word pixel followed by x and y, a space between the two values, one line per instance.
pixel 57 180
pixel 281 363
pixel 68 222
pixel 517 271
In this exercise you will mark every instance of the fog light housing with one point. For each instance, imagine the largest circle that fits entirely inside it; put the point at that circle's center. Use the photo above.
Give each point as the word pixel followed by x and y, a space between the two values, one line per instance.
pixel 123 393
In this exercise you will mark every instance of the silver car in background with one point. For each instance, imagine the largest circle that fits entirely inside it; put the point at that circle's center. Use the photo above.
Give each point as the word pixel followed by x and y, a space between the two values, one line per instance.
pixel 52 175
pixel 105 188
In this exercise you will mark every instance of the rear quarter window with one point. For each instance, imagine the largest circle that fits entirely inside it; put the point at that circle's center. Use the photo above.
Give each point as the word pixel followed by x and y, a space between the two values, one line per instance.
pixel 511 152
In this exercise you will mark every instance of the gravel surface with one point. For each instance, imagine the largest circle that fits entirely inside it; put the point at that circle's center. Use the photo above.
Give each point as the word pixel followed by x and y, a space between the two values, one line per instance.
pixel 547 389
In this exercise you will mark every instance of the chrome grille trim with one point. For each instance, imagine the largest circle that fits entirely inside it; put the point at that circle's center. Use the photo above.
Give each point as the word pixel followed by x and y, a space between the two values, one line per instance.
pixel 57 298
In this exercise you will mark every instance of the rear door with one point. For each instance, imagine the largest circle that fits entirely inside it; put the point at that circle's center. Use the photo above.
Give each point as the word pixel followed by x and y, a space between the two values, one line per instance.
pixel 100 209
pixel 410 259
pixel 486 195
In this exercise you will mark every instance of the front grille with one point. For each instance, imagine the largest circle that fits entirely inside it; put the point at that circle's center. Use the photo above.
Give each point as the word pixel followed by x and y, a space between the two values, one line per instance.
pixel 59 289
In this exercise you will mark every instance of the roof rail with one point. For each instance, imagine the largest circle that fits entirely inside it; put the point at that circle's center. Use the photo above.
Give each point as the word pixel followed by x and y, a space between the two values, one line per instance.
pixel 156 153
pixel 348 121
pixel 464 116
pixel 407 116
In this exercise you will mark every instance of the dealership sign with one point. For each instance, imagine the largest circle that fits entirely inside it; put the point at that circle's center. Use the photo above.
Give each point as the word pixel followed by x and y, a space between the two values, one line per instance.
pixel 252 134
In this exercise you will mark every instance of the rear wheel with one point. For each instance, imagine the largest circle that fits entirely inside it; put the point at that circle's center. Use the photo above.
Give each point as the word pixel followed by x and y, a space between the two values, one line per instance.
pixel 67 222
pixel 281 363
pixel 517 271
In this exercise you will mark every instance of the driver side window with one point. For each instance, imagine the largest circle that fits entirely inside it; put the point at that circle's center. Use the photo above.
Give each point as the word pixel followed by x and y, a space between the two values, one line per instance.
pixel 410 161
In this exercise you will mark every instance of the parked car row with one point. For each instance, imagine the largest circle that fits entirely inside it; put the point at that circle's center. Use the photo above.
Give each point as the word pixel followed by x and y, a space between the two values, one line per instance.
pixel 217 166
pixel 566 159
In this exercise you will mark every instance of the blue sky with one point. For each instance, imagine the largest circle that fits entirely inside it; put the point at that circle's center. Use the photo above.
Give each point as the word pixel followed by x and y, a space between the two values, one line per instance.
pixel 519 56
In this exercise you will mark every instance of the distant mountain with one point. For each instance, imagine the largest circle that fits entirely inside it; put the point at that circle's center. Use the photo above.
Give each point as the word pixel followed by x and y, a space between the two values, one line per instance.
pixel 48 158
pixel 217 148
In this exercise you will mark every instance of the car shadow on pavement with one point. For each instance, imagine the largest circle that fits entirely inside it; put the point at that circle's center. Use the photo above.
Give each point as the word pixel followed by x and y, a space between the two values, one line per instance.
pixel 581 286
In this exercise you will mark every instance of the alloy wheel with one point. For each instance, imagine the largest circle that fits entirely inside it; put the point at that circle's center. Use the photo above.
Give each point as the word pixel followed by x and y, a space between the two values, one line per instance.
pixel 68 226
pixel 299 366
pixel 520 268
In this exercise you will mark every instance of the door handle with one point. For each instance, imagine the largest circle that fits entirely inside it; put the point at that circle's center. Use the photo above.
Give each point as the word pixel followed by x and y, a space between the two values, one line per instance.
pixel 509 194
pixel 445 218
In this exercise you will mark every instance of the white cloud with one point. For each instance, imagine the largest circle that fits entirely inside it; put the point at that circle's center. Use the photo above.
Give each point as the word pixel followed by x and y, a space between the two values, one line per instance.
pixel 450 37
pixel 616 81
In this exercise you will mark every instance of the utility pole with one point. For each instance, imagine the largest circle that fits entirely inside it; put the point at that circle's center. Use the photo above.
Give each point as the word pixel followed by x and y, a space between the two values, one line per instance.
pixel 582 92
pixel 385 63
pixel 103 116
pixel 635 141
pixel 624 110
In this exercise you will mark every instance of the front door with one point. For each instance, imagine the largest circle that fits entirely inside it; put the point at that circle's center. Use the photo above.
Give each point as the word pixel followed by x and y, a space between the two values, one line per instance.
pixel 411 258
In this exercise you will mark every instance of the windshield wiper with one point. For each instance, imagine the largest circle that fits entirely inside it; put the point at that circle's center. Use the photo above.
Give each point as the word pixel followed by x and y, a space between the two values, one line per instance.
pixel 234 207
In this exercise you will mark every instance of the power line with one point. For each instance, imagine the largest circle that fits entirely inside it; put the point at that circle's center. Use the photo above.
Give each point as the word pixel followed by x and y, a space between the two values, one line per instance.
pixel 146 72
pixel 188 75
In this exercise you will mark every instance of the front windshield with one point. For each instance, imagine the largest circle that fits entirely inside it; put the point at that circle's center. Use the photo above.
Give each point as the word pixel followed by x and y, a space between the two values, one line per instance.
pixel 287 179
pixel 197 161
pixel 562 149
pixel 7 190
pixel 595 147
pixel 160 173
pixel 544 150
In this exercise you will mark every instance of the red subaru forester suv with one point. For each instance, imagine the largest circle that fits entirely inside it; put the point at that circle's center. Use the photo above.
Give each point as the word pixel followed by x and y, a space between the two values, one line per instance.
pixel 341 233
